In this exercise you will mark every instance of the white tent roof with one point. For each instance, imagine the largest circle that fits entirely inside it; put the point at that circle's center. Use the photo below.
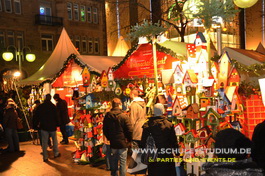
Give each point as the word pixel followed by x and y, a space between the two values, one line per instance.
pixel 121 48
pixel 63 49
pixel 246 57
pixel 99 63
pixel 61 52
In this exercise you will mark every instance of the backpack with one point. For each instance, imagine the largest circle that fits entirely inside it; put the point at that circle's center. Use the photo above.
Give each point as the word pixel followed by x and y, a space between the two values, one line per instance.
pixel 150 152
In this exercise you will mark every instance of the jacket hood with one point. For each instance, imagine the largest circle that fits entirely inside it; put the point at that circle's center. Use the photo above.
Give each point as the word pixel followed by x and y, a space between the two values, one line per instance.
pixel 114 112
pixel 138 99
pixel 156 123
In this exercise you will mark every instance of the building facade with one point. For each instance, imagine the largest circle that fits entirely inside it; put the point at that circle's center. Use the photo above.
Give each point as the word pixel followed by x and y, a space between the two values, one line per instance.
pixel 37 24
pixel 245 31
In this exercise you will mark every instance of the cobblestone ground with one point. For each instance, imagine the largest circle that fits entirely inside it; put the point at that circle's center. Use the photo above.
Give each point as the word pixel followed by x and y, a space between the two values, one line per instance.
pixel 28 162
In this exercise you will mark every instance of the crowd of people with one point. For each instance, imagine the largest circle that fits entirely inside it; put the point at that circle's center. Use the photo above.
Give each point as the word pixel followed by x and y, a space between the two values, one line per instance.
pixel 46 117
pixel 124 131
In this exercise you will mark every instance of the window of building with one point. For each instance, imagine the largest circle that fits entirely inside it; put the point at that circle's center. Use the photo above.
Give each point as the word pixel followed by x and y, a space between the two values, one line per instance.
pixel 1 9
pixel 89 15
pixel 77 43
pixel 95 15
pixel 90 46
pixel 84 45
pixel 83 13
pixel 2 39
pixel 71 38
pixel 76 12
pixel 46 42
pixel 96 46
pixel 8 6
pixel 69 11
pixel 10 38
pixel 17 7
pixel 20 40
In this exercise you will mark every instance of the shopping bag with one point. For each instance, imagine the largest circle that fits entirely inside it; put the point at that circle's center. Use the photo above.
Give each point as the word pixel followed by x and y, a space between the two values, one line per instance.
pixel 135 165
pixel 151 150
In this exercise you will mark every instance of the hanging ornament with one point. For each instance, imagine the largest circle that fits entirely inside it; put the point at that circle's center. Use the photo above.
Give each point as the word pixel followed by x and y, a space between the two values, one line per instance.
pixel 110 78
pixel 104 79
pixel 93 83
pixel 118 90
pixel 127 91
pixel 86 77
pixel 245 3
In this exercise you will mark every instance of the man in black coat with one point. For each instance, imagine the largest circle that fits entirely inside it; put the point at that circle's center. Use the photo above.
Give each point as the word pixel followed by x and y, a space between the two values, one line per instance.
pixel 47 119
pixel 258 149
pixel 118 130
pixel 62 110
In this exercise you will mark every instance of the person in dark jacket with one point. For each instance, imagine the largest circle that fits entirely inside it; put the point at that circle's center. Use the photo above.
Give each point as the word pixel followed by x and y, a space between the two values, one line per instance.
pixel 228 141
pixel 165 138
pixel 47 119
pixel 258 148
pixel 10 117
pixel 35 123
pixel 62 110
pixel 118 130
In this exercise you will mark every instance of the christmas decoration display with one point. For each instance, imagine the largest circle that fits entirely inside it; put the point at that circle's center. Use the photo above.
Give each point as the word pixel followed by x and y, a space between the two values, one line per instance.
pixel 203 97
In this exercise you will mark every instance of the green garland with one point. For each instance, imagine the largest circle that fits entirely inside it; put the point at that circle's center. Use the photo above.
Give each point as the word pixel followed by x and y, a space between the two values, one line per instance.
pixel 65 65
pixel 159 48
pixel 254 68
pixel 248 88
pixel 129 53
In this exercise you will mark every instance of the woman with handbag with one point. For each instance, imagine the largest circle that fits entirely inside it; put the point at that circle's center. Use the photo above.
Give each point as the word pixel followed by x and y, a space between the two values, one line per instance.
pixel 10 123
pixel 163 138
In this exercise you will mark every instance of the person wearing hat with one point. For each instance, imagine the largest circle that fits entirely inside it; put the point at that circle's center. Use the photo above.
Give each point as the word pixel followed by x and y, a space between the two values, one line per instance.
pixel 62 111
pixel 10 118
pixel 164 136
pixel 258 148
pixel 232 144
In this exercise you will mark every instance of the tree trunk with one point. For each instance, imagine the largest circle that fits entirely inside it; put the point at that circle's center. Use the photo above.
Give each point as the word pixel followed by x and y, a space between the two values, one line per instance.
pixel 155 62
pixel 208 40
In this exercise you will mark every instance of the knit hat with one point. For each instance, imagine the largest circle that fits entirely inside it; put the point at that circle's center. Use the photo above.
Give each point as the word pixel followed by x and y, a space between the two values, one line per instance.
pixel 159 109
pixel 11 103
pixel 230 140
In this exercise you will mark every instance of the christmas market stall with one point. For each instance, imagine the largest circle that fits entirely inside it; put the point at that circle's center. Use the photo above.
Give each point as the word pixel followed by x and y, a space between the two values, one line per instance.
pixel 70 76
pixel 203 96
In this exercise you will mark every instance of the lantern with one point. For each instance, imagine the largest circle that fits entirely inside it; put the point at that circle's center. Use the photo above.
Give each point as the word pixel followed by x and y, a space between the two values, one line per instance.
pixel 245 3
pixel 30 57
pixel 8 56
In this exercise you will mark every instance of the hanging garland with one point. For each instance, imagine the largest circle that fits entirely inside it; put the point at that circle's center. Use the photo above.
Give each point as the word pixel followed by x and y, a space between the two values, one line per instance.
pixel 129 53
pixel 158 47
pixel 248 88
pixel 254 68
pixel 170 52
pixel 71 58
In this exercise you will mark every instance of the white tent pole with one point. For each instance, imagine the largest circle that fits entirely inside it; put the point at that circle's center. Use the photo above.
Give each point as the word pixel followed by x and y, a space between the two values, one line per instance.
pixel 19 99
